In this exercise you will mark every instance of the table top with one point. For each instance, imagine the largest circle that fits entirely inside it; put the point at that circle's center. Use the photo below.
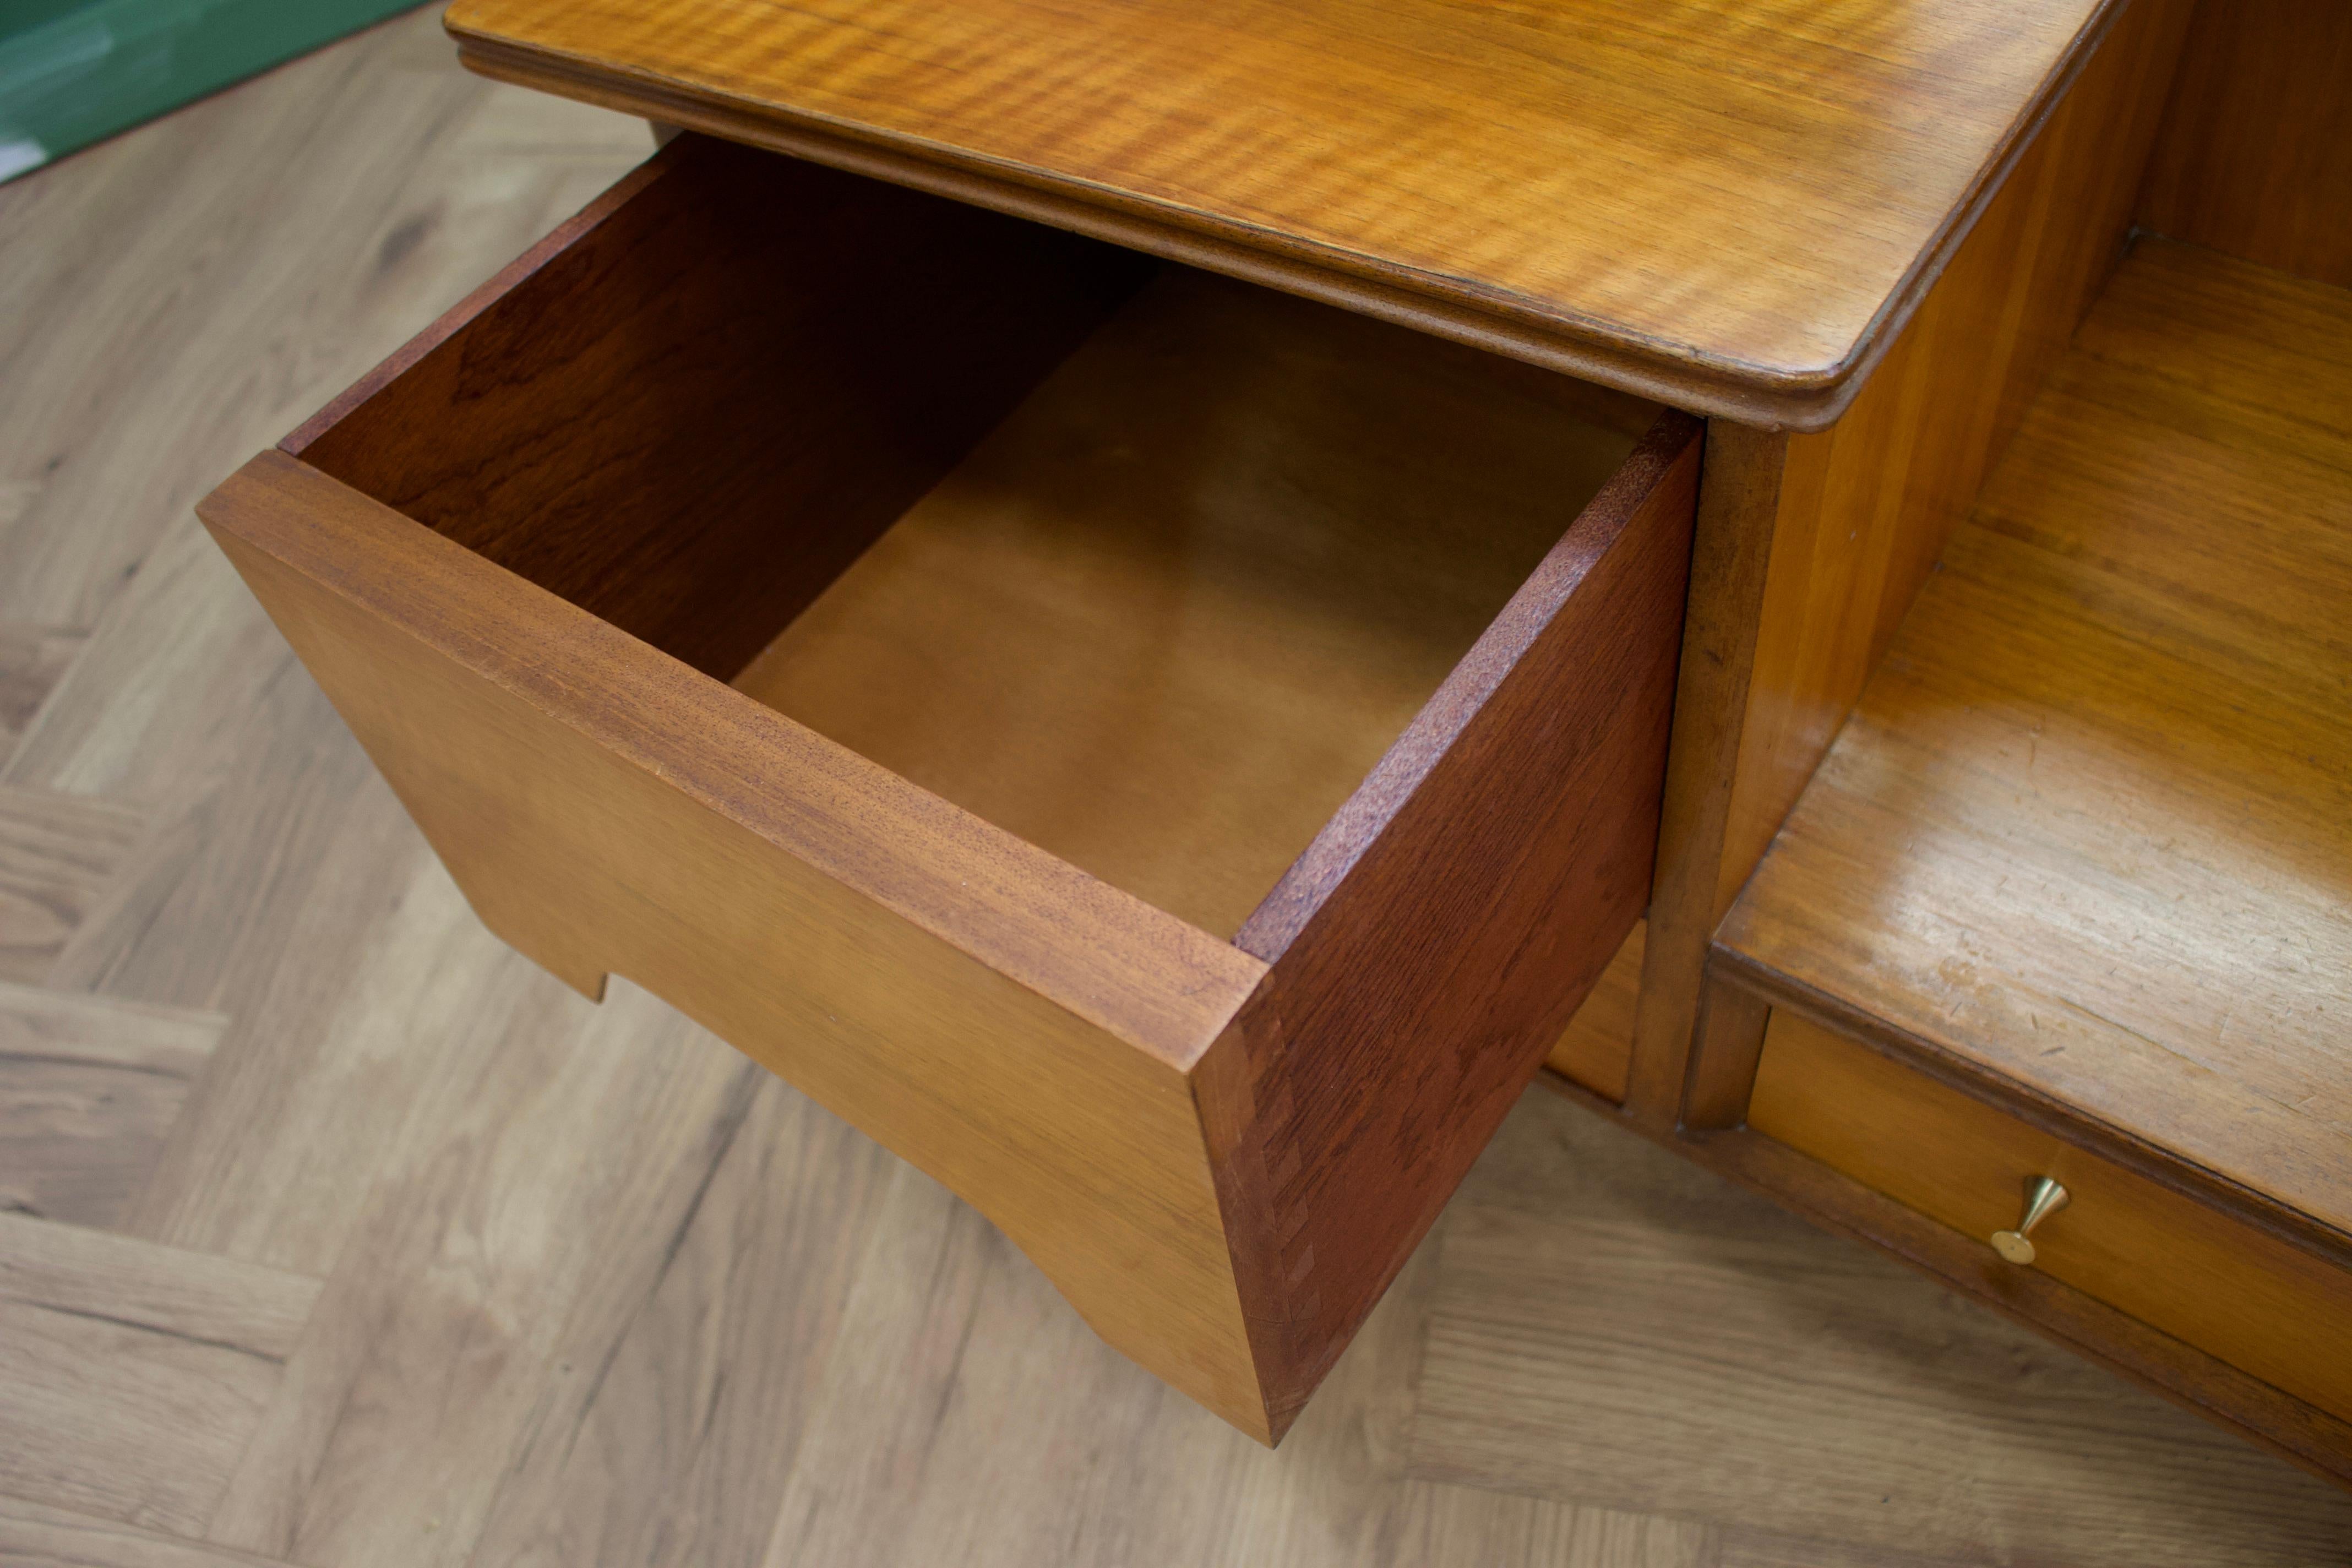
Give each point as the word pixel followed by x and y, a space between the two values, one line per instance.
pixel 1731 205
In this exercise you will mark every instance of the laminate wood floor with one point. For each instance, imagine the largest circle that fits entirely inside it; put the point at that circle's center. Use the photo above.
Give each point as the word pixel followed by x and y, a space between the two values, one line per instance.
pixel 337 1234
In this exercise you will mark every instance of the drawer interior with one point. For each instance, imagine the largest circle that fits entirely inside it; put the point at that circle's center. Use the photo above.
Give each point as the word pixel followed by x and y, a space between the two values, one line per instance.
pixel 1146 566
pixel 1169 613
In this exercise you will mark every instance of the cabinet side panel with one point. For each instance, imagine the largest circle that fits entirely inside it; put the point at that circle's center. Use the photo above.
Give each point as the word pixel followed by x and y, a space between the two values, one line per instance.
pixel 1083 1147
pixel 1867 504
pixel 2256 156
pixel 1596 1049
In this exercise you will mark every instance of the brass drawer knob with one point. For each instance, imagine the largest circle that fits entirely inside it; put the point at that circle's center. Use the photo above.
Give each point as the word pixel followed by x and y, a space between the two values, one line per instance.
pixel 2043 1197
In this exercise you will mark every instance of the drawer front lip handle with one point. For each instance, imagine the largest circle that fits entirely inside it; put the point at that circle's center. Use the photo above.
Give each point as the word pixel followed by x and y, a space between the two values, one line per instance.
pixel 2043 1197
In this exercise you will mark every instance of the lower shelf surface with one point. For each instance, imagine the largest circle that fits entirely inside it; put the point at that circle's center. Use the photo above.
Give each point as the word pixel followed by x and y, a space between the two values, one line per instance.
pixel 2089 829
pixel 2084 852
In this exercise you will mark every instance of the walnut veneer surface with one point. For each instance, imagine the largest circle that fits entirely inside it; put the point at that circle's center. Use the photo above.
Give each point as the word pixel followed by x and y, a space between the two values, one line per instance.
pixel 2087 831
pixel 1729 204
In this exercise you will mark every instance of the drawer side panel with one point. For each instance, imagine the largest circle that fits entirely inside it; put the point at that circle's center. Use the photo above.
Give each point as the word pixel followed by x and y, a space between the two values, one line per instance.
pixel 1478 885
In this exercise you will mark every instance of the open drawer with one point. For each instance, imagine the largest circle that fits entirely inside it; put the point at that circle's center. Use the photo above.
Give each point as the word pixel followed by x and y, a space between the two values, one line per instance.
pixel 1163 756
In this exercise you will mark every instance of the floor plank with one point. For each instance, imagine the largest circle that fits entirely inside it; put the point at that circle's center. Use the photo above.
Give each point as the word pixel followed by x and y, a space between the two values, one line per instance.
pixel 966 1417
pixel 34 1536
pixel 1764 1549
pixel 32 658
pixel 539 1183
pixel 280 880
pixel 666 1434
pixel 57 855
pixel 158 702
pixel 179 296
pixel 1659 1343
pixel 131 1375
pixel 365 976
pixel 87 1273
pixel 89 1086
pixel 1462 1524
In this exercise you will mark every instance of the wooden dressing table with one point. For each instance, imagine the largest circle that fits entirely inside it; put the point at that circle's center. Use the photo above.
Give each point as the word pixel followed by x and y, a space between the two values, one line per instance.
pixel 1162 604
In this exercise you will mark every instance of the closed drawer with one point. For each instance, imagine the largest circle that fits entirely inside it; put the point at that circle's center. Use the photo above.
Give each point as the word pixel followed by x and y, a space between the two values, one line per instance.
pixel 2236 1293
pixel 1165 757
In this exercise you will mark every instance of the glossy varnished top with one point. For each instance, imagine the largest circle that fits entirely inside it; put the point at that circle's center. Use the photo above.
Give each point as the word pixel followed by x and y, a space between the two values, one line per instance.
pixel 1729 204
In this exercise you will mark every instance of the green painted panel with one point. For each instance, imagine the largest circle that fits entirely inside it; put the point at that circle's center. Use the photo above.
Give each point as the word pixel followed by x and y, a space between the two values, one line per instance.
pixel 72 71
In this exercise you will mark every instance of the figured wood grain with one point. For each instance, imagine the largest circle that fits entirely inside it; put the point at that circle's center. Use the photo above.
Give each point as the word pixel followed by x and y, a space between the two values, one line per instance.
pixel 1163 621
pixel 1494 175
pixel 1867 504
pixel 2246 1297
pixel 2086 833
pixel 2256 156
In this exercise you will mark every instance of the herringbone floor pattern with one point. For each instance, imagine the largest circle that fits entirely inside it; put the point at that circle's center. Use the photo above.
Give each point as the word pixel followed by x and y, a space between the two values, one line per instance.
pixel 332 1232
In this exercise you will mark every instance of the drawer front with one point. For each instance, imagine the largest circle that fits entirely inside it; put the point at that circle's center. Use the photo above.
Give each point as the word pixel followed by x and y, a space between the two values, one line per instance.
pixel 528 556
pixel 2239 1295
